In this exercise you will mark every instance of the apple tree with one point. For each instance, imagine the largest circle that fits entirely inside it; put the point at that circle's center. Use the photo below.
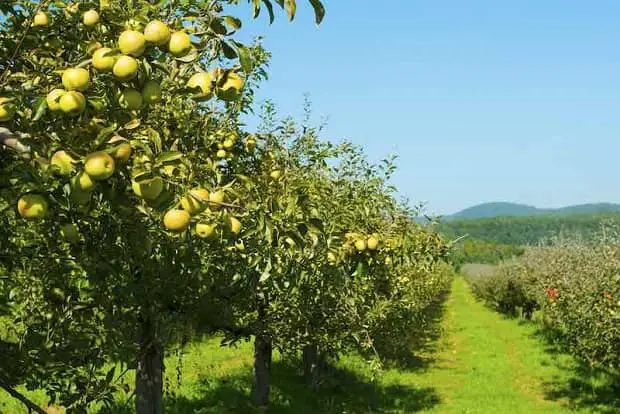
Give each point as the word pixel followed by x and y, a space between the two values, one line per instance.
pixel 118 124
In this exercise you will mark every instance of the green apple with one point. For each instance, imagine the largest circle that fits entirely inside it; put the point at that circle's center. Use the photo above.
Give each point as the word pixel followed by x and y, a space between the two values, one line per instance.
pixel 104 59
pixel 151 92
pixel 130 99
pixel 180 43
pixel 99 165
pixel 157 33
pixel 75 79
pixel 148 189
pixel 32 206
pixel 131 42
pixel 63 162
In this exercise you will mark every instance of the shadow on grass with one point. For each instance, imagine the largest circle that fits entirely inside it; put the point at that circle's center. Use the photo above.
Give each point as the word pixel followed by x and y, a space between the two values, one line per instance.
pixel 597 391
pixel 417 350
pixel 342 392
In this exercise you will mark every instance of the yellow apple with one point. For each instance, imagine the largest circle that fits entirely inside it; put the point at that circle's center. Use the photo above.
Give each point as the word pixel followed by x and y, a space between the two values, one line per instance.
pixel 104 59
pixel 221 154
pixel 275 174
pixel 151 92
pixel 233 225
pixel 99 165
pixel 206 231
pixel 192 203
pixel 132 43
pixel 32 206
pixel 176 220
pixel 72 103
pixel 125 68
pixel 331 257
pixel 75 79
pixel 63 162
pixel 179 44
pixel 372 243
pixel 148 189
pixel 40 19
pixel 122 152
pixel 250 143
pixel 82 182
pixel 360 245
pixel 7 110
pixel 90 18
pixel 228 144
pixel 202 81
pixel 130 99
pixel 157 32
pixel 70 233
pixel 216 198
pixel 229 88
pixel 53 99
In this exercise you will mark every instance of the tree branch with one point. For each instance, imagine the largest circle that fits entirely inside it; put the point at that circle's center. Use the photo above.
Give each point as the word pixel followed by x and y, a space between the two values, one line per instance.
pixel 31 406
pixel 9 139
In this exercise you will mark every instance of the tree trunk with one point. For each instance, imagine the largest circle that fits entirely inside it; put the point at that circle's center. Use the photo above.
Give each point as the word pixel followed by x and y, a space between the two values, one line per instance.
pixel 311 357
pixel 262 369
pixel 149 376
pixel 315 365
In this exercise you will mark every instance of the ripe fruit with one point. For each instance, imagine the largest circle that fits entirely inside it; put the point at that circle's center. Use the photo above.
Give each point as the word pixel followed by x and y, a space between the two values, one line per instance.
pixel 157 32
pixel 180 43
pixel 372 243
pixel 75 79
pixel 70 233
pixel 53 99
pixel 216 199
pixel 193 205
pixel 228 144
pixel 99 165
pixel 331 258
pixel 176 220
pixel 32 206
pixel 122 152
pixel 233 225
pixel 63 162
pixel 40 19
pixel 82 182
pixel 148 189
pixel 7 110
pixel 130 99
pixel 203 81
pixel 360 245
pixel 72 103
pixel 206 231
pixel 125 68
pixel 132 43
pixel 221 154
pixel 151 92
pixel 230 88
pixel 275 174
pixel 250 143
pixel 103 60
pixel 90 18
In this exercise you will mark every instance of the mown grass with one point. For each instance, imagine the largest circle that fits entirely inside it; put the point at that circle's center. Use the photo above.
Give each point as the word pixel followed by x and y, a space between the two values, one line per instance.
pixel 471 361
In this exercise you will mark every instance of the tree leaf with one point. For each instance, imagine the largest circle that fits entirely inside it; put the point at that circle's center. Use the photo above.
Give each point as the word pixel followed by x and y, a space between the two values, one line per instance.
pixel 319 10
pixel 169 156
pixel 41 109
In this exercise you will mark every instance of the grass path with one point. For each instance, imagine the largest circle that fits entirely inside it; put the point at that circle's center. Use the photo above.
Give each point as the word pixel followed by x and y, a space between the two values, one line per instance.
pixel 477 362
pixel 487 364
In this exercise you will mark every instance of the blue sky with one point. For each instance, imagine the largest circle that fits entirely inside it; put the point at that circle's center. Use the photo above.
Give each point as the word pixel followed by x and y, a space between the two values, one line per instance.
pixel 482 100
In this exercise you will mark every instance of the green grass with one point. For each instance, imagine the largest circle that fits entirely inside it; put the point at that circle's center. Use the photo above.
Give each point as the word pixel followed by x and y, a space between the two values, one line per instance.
pixel 473 361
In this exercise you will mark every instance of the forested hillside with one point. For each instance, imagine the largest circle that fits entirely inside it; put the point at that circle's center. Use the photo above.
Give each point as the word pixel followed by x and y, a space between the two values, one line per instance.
pixel 528 230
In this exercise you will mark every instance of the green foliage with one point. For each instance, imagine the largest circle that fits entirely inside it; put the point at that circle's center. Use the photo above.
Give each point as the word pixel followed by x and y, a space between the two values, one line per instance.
pixel 531 230
pixel 479 251
pixel 577 289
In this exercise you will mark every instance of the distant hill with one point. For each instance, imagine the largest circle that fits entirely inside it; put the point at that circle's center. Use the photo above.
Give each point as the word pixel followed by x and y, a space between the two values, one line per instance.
pixel 490 210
